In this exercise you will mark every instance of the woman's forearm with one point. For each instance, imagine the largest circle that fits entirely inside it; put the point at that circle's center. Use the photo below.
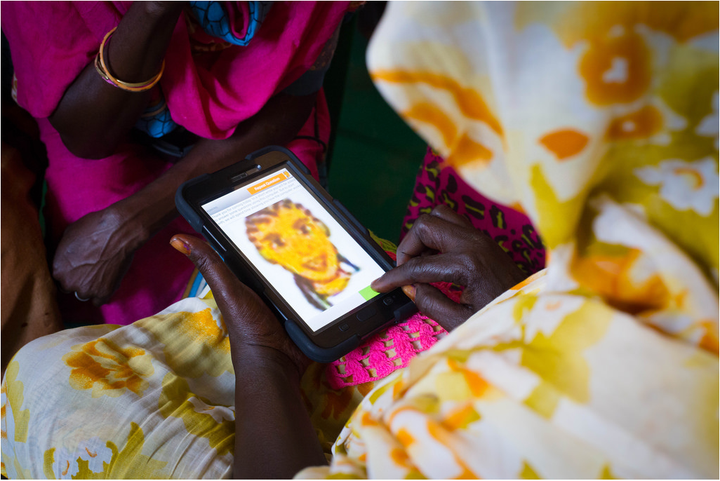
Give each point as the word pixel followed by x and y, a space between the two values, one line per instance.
pixel 93 117
pixel 96 250
pixel 276 123
pixel 274 437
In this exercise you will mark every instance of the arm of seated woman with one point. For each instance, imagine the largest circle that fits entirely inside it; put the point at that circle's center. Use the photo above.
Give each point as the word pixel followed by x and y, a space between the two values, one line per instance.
pixel 274 437
pixel 93 117
pixel 95 251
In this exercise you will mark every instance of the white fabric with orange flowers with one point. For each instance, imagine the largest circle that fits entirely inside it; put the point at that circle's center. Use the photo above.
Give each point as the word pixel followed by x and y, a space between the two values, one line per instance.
pixel 154 399
pixel 600 120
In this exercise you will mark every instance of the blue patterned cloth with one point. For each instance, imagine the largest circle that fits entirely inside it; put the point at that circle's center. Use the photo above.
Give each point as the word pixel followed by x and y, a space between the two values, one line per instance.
pixel 158 124
pixel 215 21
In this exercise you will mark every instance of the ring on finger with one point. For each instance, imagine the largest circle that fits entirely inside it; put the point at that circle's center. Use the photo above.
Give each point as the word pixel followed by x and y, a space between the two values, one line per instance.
pixel 77 296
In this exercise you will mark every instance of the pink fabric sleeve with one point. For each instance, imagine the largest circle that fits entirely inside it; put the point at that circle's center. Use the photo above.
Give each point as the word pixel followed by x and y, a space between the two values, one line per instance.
pixel 50 45
pixel 210 95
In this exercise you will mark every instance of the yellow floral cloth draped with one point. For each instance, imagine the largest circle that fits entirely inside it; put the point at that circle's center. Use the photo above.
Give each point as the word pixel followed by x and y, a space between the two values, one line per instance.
pixel 147 400
pixel 600 121
pixel 154 399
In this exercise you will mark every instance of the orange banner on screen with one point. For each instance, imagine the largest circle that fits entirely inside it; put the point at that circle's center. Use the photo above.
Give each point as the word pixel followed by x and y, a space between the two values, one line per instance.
pixel 274 180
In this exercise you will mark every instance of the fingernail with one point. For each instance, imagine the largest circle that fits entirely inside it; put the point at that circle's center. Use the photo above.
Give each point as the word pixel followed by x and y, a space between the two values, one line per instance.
pixel 180 245
pixel 409 291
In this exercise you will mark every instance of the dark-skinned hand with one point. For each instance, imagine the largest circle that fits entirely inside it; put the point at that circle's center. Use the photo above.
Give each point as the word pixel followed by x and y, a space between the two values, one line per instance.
pixel 443 246
pixel 251 325
pixel 274 437
pixel 94 254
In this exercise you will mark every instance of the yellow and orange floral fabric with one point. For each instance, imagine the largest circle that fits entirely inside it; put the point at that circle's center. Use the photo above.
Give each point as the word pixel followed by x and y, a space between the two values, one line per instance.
pixel 600 121
pixel 154 399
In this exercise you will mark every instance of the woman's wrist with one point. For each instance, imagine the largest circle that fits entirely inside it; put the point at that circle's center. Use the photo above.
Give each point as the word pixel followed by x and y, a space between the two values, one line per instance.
pixel 274 437
pixel 255 360
pixel 131 224
pixel 150 209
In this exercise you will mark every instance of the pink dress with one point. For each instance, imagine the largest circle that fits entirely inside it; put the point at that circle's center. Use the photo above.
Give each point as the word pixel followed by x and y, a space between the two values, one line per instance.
pixel 207 93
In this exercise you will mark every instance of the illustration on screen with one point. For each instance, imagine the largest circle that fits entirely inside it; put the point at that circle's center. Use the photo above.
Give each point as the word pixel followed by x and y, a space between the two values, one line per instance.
pixel 288 234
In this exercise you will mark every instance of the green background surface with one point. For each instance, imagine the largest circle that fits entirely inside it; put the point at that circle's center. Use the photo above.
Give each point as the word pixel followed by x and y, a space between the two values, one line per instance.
pixel 376 156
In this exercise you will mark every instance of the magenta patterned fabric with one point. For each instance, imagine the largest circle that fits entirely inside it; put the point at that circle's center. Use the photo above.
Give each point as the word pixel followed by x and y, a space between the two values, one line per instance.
pixel 438 183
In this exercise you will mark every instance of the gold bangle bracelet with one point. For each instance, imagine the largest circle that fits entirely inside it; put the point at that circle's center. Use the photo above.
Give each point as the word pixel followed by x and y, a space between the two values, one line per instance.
pixel 104 72
pixel 99 70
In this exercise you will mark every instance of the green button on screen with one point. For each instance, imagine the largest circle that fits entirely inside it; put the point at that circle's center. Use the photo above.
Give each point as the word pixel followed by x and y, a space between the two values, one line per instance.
pixel 368 293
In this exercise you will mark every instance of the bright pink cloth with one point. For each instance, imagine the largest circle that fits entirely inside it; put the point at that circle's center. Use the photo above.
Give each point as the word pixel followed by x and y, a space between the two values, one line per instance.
pixel 390 349
pixel 207 93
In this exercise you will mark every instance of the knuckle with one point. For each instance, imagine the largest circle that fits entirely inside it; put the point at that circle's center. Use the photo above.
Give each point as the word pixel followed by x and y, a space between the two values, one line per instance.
pixel 413 268
pixel 428 222
pixel 57 266
pixel 421 223
pixel 430 227
pixel 205 263
pixel 469 265
pixel 443 209
pixel 482 241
